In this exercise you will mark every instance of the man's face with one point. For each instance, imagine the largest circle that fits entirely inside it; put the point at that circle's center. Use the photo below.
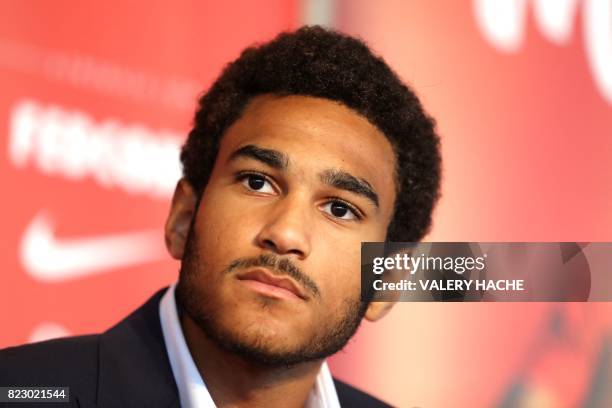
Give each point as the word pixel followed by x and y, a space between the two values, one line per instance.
pixel 271 268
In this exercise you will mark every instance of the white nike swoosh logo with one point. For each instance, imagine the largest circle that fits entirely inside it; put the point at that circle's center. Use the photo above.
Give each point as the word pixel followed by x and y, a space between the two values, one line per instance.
pixel 48 259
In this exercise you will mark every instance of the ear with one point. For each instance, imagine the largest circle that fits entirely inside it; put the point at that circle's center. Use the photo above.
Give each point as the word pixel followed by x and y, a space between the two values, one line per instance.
pixel 377 310
pixel 182 212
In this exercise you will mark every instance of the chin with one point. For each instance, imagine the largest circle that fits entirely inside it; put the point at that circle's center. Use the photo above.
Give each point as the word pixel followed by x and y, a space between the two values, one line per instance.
pixel 262 330
pixel 263 342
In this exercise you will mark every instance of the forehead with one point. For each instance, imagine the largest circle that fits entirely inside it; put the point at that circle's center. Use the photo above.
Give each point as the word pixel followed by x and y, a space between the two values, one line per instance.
pixel 316 134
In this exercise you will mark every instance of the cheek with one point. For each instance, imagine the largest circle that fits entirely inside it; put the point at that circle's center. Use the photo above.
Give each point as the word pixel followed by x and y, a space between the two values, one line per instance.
pixel 338 269
pixel 339 274
pixel 224 230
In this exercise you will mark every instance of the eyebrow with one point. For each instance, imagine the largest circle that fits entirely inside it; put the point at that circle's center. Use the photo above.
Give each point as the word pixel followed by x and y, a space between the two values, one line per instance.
pixel 271 157
pixel 345 181
pixel 333 177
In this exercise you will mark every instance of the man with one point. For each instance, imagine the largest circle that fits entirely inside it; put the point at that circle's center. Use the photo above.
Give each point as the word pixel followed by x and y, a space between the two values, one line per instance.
pixel 302 149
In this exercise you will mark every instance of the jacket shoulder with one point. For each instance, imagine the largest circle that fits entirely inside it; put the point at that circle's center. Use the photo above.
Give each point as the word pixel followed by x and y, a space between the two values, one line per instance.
pixel 350 396
pixel 67 362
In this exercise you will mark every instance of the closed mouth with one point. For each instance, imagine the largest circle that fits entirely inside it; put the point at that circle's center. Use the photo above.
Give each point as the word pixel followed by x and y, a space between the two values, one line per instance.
pixel 263 276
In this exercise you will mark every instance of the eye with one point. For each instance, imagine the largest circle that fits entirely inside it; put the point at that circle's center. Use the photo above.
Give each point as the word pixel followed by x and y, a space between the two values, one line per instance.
pixel 341 210
pixel 257 182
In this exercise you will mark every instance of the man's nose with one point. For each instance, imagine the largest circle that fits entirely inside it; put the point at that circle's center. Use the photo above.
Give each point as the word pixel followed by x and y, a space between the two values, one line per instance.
pixel 287 229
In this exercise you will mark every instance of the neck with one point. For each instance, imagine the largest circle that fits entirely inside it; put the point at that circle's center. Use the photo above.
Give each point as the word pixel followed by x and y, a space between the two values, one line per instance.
pixel 235 382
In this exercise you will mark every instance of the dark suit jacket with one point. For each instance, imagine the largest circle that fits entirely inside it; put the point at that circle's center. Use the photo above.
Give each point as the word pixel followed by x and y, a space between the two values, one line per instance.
pixel 126 366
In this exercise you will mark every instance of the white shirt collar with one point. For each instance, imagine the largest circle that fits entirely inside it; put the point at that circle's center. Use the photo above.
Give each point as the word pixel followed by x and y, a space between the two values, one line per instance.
pixel 192 390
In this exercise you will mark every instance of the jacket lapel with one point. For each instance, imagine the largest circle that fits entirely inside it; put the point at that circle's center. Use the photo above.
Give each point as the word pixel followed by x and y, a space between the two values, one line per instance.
pixel 134 369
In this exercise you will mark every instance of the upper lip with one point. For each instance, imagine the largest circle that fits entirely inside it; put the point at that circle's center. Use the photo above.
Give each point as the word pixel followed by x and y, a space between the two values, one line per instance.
pixel 264 276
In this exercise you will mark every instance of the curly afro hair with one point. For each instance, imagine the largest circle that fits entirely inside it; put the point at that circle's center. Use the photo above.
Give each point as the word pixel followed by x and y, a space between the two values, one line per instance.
pixel 314 61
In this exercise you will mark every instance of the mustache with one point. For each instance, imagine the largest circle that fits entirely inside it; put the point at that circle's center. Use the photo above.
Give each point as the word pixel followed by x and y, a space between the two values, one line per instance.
pixel 278 266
